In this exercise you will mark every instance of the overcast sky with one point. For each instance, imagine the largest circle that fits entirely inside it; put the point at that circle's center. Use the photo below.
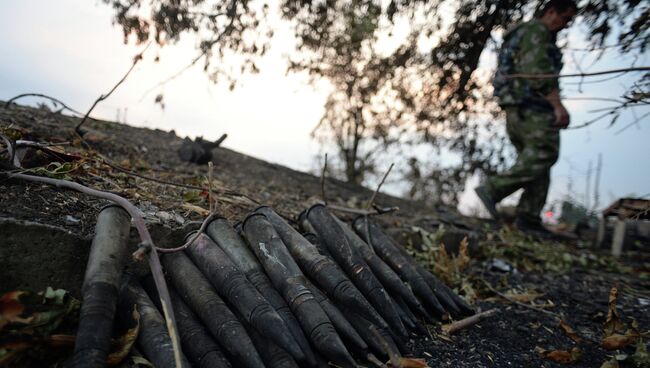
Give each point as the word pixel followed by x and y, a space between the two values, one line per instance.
pixel 70 50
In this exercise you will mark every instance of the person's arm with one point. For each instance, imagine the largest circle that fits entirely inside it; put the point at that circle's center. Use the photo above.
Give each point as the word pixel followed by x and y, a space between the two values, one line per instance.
pixel 534 58
pixel 562 118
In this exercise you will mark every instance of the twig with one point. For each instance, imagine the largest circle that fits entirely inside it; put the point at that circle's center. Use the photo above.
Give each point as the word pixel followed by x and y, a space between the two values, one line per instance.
pixel 205 224
pixel 592 99
pixel 210 166
pixel 207 48
pixel 8 103
pixel 592 121
pixel 469 321
pixel 632 123
pixel 551 76
pixel 357 211
pixel 605 47
pixel 374 195
pixel 101 98
pixel 108 162
pixel 145 237
pixel 511 300
pixel 322 181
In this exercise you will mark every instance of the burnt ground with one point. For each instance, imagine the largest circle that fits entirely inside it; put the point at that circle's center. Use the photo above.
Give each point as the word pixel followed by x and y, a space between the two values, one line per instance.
pixel 46 232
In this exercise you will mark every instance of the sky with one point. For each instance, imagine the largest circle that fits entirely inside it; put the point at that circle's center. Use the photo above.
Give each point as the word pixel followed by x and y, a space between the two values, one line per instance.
pixel 69 49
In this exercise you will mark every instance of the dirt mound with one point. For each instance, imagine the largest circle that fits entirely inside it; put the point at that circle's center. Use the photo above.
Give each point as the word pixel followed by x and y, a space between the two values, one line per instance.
pixel 542 283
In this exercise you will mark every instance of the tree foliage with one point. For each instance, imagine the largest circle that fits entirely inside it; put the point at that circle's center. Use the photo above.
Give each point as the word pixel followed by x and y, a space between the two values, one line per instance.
pixel 402 71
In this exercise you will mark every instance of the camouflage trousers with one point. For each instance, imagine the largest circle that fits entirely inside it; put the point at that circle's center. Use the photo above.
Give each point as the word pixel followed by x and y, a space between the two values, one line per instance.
pixel 538 144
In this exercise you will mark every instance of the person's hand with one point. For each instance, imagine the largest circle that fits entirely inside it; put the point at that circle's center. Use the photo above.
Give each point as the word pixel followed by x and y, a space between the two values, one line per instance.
pixel 562 118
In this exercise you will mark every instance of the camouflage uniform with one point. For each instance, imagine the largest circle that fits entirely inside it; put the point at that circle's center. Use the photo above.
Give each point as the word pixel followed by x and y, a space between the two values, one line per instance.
pixel 529 48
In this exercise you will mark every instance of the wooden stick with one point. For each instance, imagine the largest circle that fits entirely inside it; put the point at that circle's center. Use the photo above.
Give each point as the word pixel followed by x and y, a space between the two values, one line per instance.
pixel 511 300
pixel 372 199
pixel 469 321
pixel 322 181
pixel 210 166
pixel 358 211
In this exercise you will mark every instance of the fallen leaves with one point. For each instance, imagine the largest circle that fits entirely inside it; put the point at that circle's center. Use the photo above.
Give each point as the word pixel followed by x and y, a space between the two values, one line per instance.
pixel 569 332
pixel 28 320
pixel 29 313
pixel 640 358
pixel 618 341
pixel 616 334
pixel 434 255
pixel 563 356
pixel 121 346
pixel 613 323
pixel 525 297
pixel 560 356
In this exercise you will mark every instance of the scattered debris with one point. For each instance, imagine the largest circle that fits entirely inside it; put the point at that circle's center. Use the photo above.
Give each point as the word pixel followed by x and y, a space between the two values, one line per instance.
pixel 496 264
pixel 198 151
pixel 469 321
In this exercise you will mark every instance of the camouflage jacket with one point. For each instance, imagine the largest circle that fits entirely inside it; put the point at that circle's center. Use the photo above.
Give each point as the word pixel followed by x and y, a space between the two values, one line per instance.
pixel 528 48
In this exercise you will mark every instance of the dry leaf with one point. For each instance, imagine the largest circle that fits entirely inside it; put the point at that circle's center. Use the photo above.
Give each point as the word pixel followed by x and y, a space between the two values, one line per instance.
pixel 613 323
pixel 618 341
pixel 560 356
pixel 523 297
pixel 570 332
pixel 200 210
pixel 122 345
pixel 11 308
pixel 463 260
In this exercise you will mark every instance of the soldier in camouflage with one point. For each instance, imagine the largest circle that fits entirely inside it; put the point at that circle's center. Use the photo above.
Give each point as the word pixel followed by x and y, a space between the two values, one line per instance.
pixel 534 111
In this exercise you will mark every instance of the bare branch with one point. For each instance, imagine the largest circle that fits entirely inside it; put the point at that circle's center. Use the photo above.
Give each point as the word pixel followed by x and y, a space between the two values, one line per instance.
pixel 374 195
pixel 200 56
pixel 592 99
pixel 322 181
pixel 552 76
pixel 210 166
pixel 632 123
pixel 109 163
pixel 469 321
pixel 357 211
pixel 55 100
pixel 101 98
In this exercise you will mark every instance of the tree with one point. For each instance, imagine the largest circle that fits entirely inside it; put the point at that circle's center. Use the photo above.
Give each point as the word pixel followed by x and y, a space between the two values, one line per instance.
pixel 402 71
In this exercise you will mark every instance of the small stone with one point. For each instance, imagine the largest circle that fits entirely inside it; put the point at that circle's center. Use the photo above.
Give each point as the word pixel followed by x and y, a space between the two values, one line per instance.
pixel 165 216
pixel 71 220
pixel 178 218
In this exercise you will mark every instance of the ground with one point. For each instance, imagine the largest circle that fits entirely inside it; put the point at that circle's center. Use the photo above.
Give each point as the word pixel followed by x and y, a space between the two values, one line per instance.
pixel 46 233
